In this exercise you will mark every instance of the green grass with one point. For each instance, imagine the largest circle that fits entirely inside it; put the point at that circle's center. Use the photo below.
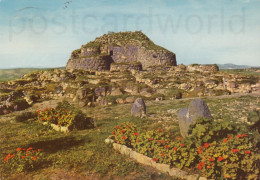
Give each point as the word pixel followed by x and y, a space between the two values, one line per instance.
pixel 123 38
pixel 82 150
pixel 85 150
pixel 12 74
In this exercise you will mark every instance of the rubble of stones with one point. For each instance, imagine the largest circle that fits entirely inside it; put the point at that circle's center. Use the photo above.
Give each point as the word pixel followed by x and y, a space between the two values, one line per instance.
pixel 102 88
pixel 117 51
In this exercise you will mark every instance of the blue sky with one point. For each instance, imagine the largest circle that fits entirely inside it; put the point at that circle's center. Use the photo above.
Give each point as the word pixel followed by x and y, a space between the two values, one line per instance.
pixel 42 33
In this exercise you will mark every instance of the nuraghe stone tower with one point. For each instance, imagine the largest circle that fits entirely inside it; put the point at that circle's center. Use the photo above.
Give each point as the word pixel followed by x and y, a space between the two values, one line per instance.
pixel 120 51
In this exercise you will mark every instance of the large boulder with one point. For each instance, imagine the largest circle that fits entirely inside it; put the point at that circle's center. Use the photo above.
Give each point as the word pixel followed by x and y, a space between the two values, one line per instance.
pixel 81 93
pixel 116 92
pixel 120 101
pixel 187 116
pixel 28 99
pixel 130 99
pixel 139 108
pixel 101 91
pixel 59 90
pixel 102 101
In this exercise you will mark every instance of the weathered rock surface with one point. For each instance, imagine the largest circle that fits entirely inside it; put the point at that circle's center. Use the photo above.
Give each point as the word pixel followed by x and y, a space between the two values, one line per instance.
pixel 116 92
pixel 120 101
pixel 202 68
pixel 130 99
pixel 81 93
pixel 187 116
pixel 139 108
pixel 116 67
pixel 133 48
pixel 198 108
pixel 28 100
pixel 108 87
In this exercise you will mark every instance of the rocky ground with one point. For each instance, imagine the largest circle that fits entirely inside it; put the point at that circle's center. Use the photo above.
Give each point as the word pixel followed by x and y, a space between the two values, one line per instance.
pixel 161 114
pixel 108 98
pixel 107 88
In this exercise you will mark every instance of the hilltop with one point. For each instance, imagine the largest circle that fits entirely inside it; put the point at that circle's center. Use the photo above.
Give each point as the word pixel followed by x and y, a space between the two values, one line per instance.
pixel 127 50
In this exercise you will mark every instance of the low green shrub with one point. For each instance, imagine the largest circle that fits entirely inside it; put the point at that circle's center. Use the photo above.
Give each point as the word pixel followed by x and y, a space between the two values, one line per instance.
pixel 174 93
pixel 249 79
pixel 124 134
pixel 193 65
pixel 156 145
pixel 112 99
pixel 4 96
pixel 3 91
pixel 216 149
pixel 51 87
pixel 232 158
pixel 208 130
pixel 67 115
pixel 21 104
pixel 156 95
pixel 254 118
pixel 23 159
pixel 25 116
pixel 220 92
pixel 76 53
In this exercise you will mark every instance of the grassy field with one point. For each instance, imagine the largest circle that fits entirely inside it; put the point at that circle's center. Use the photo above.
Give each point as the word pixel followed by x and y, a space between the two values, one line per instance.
pixel 84 153
pixel 12 74
pixel 252 72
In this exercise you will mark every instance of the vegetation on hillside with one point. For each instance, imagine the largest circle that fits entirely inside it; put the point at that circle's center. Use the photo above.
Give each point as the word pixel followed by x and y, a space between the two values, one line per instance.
pixel 123 38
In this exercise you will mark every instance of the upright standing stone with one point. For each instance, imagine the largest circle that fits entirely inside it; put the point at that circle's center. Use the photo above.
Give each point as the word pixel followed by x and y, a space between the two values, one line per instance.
pixel 139 108
pixel 187 116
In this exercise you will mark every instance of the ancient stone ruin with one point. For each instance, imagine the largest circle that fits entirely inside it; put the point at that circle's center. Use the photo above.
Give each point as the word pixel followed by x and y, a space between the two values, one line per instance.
pixel 120 51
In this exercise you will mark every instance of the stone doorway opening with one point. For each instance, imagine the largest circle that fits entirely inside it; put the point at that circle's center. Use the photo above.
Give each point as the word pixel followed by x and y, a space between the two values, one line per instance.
pixel 111 53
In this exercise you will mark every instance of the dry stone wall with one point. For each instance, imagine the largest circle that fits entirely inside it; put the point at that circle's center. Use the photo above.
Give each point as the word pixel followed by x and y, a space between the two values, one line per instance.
pixel 116 67
pixel 98 63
